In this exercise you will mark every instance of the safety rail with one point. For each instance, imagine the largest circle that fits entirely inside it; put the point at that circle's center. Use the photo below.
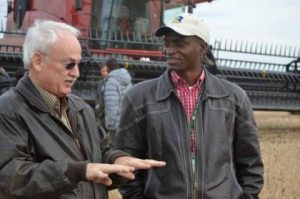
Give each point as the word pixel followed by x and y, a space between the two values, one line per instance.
pixel 255 48
pixel 269 75
pixel 274 101
pixel 11 48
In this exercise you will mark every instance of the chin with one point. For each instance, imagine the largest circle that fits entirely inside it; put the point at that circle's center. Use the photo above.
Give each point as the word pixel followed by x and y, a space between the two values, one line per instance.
pixel 176 68
pixel 65 92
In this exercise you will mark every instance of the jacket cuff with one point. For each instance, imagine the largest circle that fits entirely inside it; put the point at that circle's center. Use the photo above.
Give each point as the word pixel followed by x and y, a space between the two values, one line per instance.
pixel 76 171
pixel 116 154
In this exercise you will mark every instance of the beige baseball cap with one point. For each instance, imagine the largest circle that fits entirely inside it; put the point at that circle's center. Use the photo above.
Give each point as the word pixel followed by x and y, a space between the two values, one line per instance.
pixel 188 25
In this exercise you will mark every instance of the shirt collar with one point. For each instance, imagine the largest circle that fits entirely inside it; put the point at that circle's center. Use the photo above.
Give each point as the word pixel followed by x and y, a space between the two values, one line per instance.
pixel 180 82
pixel 52 101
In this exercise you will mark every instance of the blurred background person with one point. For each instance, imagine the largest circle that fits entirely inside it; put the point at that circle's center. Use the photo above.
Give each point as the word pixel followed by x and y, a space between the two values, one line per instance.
pixel 99 99
pixel 117 84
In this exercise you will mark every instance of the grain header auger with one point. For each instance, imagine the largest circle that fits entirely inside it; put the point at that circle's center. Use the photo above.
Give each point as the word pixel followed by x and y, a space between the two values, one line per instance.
pixel 124 29
pixel 269 73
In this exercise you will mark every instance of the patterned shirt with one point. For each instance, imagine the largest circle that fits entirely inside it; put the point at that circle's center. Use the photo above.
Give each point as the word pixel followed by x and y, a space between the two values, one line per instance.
pixel 58 106
pixel 188 95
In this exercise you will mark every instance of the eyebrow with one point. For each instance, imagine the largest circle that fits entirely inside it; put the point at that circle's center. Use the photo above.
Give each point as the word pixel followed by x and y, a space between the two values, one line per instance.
pixel 70 59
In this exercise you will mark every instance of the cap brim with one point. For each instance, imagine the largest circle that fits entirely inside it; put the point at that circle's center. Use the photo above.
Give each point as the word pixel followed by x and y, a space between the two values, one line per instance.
pixel 164 29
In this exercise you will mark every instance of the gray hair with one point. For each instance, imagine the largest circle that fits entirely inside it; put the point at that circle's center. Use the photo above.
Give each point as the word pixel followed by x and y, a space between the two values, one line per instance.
pixel 41 37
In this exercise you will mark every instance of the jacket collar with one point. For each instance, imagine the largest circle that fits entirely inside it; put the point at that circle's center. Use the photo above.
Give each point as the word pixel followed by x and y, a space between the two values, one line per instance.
pixel 26 88
pixel 212 87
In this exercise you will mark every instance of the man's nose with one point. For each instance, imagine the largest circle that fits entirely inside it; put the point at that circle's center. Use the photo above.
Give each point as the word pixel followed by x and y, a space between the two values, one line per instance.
pixel 169 50
pixel 75 72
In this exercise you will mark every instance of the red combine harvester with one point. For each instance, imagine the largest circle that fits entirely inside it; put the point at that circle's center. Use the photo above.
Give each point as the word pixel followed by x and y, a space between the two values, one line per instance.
pixel 124 29
pixel 107 26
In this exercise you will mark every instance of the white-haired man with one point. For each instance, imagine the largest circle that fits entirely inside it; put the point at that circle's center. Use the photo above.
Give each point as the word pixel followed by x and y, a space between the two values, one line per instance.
pixel 50 146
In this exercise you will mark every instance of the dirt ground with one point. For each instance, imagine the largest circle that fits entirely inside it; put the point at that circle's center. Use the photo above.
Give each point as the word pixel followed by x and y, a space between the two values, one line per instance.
pixel 279 134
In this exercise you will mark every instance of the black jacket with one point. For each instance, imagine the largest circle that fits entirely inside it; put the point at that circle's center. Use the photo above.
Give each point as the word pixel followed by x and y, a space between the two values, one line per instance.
pixel 154 125
pixel 39 155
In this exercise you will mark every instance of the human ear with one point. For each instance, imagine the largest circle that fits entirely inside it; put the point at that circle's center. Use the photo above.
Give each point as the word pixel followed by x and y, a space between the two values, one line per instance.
pixel 36 62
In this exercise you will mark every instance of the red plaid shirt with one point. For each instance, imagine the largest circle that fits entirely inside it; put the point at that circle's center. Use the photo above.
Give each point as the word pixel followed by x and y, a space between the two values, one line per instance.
pixel 188 95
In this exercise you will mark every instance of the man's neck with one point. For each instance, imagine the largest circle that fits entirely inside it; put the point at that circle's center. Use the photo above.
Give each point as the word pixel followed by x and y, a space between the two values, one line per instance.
pixel 190 77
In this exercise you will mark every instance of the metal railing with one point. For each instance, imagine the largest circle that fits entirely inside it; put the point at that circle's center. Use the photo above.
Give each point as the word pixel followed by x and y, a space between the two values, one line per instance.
pixel 268 73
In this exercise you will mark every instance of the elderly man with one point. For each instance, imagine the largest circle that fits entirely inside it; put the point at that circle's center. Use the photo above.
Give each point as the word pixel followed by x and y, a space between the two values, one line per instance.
pixel 202 126
pixel 50 146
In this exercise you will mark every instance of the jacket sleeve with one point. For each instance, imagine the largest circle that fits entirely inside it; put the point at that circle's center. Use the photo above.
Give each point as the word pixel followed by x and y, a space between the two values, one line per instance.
pixel 22 175
pixel 112 104
pixel 130 139
pixel 248 162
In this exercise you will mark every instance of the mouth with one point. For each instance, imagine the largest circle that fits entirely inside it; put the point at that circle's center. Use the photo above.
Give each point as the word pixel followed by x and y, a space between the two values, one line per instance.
pixel 70 82
pixel 172 61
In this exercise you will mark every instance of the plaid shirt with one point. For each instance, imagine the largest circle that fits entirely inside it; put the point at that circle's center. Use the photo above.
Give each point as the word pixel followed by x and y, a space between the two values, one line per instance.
pixel 188 95
pixel 58 106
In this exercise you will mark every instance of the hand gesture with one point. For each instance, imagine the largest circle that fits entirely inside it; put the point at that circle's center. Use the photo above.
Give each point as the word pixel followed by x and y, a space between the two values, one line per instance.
pixel 139 163
pixel 99 173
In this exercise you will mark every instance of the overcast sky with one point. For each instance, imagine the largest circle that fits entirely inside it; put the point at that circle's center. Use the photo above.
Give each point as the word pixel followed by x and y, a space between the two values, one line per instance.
pixel 3 9
pixel 268 21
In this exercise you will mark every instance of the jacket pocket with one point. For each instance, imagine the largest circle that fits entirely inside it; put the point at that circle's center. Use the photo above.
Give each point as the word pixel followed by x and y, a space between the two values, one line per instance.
pixel 235 181
pixel 154 107
pixel 222 183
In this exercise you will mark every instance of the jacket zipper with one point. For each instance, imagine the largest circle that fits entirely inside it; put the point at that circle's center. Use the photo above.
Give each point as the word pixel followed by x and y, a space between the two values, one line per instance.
pixel 195 173
pixel 194 179
pixel 194 160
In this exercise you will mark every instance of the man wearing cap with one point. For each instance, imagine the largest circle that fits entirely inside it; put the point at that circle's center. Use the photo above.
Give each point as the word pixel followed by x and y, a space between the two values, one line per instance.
pixel 202 126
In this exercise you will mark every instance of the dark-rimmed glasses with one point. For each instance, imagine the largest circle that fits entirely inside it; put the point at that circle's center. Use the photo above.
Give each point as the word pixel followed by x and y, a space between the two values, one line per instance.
pixel 71 65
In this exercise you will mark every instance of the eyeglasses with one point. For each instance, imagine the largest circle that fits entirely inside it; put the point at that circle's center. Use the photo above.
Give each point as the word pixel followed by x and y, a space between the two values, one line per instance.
pixel 71 65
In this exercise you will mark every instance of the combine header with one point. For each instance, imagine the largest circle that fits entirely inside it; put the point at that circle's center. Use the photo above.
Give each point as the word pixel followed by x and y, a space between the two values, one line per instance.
pixel 266 72
pixel 124 29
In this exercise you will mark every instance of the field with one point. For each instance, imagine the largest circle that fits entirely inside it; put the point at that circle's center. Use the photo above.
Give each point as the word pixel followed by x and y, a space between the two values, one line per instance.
pixel 279 134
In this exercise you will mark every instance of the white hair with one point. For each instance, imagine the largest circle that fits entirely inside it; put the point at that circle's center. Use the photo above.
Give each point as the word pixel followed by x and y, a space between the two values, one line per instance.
pixel 41 37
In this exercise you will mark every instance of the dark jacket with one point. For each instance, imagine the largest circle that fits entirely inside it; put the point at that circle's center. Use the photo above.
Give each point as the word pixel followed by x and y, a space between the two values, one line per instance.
pixel 154 125
pixel 39 155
